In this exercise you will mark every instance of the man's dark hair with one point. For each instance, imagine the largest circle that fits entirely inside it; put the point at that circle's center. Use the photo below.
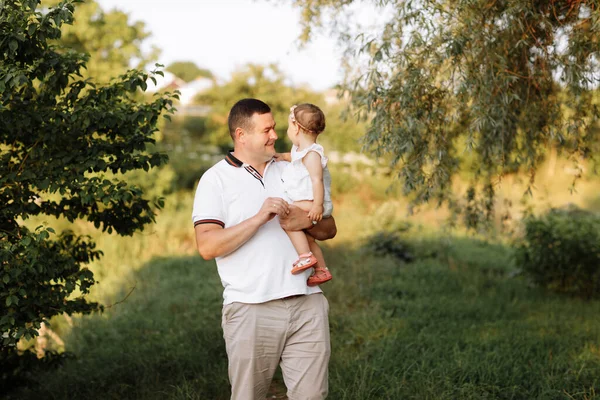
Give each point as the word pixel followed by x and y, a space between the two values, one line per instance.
pixel 241 114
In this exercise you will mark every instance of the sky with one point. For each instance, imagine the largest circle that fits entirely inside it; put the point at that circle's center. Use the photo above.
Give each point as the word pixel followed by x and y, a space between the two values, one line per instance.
pixel 224 35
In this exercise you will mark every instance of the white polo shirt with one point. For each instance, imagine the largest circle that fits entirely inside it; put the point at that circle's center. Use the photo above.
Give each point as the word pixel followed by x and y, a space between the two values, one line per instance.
pixel 229 193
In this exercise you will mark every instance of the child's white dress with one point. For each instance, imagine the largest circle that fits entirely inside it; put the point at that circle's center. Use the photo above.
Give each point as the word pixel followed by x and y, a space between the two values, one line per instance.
pixel 296 179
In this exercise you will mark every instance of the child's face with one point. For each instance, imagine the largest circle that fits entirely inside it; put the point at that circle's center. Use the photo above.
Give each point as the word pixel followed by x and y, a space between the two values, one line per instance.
pixel 292 131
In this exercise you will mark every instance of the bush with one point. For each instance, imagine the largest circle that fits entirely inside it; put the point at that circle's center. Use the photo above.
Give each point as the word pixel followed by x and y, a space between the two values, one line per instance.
pixel 561 251
pixel 63 139
pixel 389 244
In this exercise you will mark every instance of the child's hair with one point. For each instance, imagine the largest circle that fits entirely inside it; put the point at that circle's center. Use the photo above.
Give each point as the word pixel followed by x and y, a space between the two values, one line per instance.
pixel 309 117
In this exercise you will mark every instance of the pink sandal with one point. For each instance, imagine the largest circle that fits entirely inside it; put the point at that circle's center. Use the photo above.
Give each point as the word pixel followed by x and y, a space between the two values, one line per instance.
pixel 304 262
pixel 321 275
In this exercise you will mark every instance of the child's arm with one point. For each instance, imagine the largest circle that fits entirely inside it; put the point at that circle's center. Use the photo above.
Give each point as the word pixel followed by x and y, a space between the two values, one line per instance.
pixel 312 161
pixel 283 157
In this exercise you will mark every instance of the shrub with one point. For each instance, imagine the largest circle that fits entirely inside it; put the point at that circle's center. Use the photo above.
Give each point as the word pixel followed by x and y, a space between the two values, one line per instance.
pixel 389 244
pixel 63 140
pixel 561 251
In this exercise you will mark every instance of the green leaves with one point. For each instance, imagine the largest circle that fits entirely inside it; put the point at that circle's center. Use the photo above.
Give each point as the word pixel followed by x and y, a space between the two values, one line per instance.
pixel 31 29
pixel 62 141
pixel 188 71
pixel 500 77
pixel 561 251
pixel 13 45
pixel 10 300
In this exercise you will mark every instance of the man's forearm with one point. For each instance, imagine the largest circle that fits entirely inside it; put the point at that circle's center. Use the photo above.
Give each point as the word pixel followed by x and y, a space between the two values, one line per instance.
pixel 297 220
pixel 219 242
pixel 325 229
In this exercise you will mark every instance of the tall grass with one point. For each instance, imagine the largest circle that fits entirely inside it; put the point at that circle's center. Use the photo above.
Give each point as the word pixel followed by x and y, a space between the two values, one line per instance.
pixel 462 330
pixel 458 323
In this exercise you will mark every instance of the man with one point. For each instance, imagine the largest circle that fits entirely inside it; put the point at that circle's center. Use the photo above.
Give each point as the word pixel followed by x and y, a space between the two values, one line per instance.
pixel 270 316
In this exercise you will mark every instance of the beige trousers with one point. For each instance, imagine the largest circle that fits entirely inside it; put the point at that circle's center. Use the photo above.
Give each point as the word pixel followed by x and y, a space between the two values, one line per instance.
pixel 292 332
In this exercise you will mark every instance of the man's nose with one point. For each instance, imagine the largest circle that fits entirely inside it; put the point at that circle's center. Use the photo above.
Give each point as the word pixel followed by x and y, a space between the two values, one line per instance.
pixel 273 134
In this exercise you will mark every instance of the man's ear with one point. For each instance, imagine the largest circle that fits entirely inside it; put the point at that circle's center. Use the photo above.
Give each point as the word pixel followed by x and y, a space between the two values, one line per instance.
pixel 239 135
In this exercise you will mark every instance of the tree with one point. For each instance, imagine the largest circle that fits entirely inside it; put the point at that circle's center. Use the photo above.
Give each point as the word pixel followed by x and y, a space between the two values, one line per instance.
pixel 263 82
pixel 343 133
pixel 188 70
pixel 63 142
pixel 507 79
pixel 113 42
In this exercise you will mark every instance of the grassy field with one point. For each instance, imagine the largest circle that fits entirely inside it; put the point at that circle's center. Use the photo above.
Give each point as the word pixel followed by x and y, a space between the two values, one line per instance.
pixel 459 322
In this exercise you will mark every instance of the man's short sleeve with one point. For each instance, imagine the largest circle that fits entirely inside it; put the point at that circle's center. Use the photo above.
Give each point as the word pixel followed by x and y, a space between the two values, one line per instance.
pixel 208 202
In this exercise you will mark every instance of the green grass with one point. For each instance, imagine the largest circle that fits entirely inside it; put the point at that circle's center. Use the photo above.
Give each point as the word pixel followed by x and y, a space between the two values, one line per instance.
pixel 458 323
pixel 455 324
pixel 458 330
pixel 164 339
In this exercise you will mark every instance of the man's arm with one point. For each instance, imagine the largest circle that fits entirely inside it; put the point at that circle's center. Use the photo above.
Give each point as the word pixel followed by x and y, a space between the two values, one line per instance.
pixel 324 230
pixel 297 220
pixel 212 240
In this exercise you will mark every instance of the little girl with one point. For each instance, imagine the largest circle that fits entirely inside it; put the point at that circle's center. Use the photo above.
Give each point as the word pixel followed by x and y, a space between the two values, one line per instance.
pixel 307 183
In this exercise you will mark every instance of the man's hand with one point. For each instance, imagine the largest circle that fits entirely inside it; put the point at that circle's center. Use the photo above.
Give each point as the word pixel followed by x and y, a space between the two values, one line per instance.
pixel 273 206
pixel 296 220
pixel 212 240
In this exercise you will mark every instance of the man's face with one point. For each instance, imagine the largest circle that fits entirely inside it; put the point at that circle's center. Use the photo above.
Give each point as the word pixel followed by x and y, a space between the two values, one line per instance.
pixel 260 140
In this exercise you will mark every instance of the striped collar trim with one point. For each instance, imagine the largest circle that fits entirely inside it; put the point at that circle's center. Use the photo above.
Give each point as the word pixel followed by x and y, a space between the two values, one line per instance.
pixel 235 162
pixel 232 160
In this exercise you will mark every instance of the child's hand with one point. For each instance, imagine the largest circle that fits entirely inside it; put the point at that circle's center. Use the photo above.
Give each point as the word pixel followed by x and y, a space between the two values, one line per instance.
pixel 316 213
pixel 283 157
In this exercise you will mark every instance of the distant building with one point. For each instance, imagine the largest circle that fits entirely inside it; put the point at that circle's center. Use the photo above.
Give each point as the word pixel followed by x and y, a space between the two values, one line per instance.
pixel 192 89
pixel 331 97
pixel 188 91
pixel 168 82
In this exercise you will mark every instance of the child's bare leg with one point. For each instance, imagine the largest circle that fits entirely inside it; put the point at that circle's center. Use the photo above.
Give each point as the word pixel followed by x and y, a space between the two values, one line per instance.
pixel 300 241
pixel 321 273
pixel 299 238
pixel 305 258
pixel 305 205
pixel 316 250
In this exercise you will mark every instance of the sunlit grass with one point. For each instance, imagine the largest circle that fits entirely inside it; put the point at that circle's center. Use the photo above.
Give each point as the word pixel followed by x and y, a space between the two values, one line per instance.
pixel 454 324
pixel 458 323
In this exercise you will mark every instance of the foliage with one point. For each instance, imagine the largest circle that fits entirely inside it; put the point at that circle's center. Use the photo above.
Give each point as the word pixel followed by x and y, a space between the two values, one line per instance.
pixel 263 82
pixel 62 140
pixel 113 42
pixel 163 350
pixel 187 171
pixel 154 183
pixel 185 141
pixel 188 70
pixel 389 244
pixel 18 369
pixel 343 133
pixel 507 79
pixel 561 251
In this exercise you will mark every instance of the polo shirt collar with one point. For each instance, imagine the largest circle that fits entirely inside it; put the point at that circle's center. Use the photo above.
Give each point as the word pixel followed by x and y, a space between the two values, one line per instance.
pixel 232 160
pixel 235 162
